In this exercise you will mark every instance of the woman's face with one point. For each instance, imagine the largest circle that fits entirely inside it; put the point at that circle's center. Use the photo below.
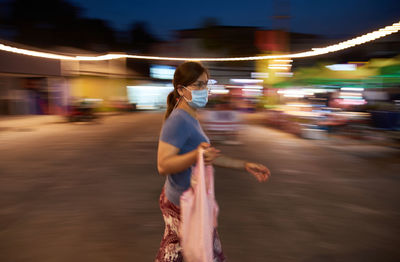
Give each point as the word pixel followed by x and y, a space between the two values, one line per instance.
pixel 199 84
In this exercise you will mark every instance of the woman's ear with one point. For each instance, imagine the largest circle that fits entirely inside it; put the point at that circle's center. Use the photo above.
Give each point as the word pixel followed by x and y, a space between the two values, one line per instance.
pixel 180 91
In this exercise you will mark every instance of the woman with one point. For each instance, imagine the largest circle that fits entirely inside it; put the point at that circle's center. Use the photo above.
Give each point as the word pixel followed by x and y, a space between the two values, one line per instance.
pixel 181 138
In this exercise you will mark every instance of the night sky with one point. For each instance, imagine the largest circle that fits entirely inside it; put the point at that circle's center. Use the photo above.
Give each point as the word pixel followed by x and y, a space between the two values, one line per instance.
pixel 340 18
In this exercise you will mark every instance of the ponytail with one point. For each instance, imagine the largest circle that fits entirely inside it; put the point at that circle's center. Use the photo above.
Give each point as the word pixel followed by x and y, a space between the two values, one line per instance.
pixel 172 99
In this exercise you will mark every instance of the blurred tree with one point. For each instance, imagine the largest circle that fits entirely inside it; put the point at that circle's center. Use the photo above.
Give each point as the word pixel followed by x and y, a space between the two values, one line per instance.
pixel 93 34
pixel 210 22
pixel 46 23
pixel 40 22
pixel 141 38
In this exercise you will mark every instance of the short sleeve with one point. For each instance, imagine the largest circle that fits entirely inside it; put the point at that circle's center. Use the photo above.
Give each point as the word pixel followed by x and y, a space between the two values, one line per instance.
pixel 175 131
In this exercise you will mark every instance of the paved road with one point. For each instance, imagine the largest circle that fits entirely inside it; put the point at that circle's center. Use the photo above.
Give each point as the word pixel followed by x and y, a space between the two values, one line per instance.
pixel 88 192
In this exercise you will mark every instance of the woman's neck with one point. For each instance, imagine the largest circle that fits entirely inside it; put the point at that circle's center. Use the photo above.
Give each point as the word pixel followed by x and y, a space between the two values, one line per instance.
pixel 185 106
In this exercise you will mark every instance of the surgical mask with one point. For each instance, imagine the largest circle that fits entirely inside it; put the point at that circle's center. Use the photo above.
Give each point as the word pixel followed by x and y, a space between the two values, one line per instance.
pixel 199 98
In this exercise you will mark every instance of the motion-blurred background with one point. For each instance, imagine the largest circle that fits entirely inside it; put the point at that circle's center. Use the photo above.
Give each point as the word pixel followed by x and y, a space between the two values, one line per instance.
pixel 78 138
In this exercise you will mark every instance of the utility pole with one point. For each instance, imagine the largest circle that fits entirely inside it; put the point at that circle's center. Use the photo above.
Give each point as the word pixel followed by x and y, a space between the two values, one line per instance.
pixel 281 22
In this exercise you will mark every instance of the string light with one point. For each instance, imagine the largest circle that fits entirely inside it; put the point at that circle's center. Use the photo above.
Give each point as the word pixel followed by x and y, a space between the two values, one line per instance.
pixel 394 28
pixel 35 53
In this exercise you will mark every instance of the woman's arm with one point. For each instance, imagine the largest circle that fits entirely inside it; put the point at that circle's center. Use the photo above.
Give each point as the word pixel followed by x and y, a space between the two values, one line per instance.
pixel 169 162
pixel 260 172
pixel 228 162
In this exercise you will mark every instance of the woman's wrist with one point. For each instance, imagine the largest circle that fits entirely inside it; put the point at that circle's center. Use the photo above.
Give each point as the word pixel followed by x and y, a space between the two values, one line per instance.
pixel 240 164
pixel 195 155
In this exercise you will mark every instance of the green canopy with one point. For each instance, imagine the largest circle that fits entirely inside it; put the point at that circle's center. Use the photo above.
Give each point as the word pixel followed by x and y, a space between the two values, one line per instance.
pixel 376 71
pixel 388 75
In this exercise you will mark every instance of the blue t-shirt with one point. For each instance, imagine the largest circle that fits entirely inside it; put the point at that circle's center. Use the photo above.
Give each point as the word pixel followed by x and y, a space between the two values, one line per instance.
pixel 183 131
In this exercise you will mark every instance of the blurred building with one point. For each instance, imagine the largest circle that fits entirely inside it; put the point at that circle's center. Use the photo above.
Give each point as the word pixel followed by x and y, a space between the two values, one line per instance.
pixel 233 41
pixel 30 85
pixel 215 41
pixel 33 85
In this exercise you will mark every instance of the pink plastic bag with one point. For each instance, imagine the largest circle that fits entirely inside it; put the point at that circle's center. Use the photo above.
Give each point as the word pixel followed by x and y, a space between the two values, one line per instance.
pixel 199 212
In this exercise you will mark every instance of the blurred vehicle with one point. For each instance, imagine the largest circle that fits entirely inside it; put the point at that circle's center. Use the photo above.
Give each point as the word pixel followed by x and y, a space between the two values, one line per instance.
pixel 311 121
pixel 120 104
pixel 222 123
pixel 81 111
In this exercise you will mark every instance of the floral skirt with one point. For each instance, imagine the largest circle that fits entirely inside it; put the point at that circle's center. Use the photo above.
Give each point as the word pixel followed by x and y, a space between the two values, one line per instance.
pixel 170 248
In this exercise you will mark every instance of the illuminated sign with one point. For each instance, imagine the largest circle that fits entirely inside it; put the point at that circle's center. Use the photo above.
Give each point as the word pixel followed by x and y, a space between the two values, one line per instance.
pixel 342 67
pixel 162 72
pixel 149 96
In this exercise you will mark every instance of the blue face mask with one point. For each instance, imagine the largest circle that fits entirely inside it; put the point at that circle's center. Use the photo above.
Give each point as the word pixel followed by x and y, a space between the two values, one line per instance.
pixel 199 98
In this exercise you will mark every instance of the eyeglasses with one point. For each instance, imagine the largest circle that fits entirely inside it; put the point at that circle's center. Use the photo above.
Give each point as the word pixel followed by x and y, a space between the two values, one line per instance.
pixel 200 85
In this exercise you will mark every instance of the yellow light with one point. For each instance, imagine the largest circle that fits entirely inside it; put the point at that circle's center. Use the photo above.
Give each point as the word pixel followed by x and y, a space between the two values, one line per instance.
pixel 394 28
pixel 283 60
pixel 278 67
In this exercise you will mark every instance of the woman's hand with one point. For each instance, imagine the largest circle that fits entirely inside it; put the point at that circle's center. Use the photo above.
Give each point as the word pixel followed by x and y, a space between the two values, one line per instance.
pixel 209 154
pixel 260 172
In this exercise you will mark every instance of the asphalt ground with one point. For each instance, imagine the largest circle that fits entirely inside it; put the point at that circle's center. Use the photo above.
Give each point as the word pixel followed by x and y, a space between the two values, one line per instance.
pixel 89 192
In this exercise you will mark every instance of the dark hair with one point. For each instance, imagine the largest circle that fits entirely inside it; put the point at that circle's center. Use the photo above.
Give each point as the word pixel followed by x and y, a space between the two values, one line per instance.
pixel 186 74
